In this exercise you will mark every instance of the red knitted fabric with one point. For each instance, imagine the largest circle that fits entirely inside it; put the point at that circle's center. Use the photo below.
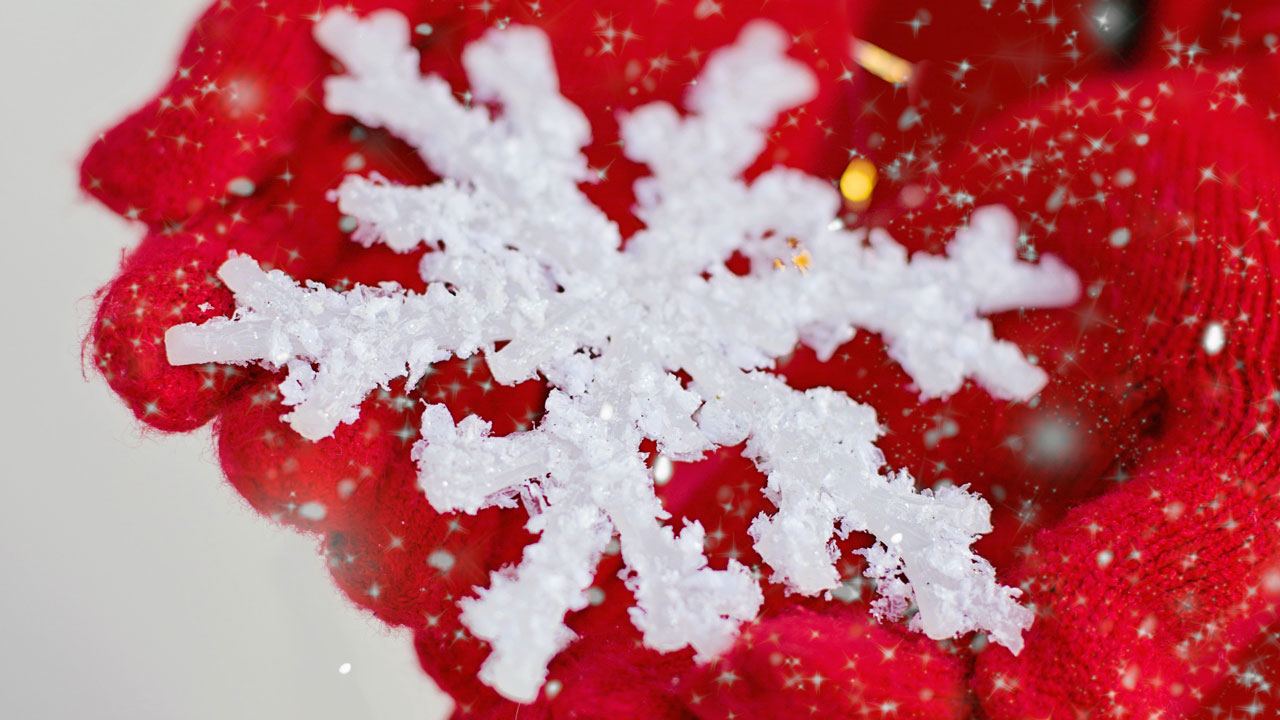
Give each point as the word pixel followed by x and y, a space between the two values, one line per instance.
pixel 1135 499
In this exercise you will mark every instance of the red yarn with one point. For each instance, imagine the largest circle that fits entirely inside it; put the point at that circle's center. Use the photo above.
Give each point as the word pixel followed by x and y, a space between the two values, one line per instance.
pixel 1135 500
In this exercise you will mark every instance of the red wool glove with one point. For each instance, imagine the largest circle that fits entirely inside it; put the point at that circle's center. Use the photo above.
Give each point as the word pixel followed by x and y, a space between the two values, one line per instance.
pixel 1134 498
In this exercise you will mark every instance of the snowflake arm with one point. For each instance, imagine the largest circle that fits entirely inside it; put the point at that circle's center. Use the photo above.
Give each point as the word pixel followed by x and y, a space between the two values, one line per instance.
pixel 360 339
pixel 525 159
pixel 680 601
pixel 529 261
pixel 522 615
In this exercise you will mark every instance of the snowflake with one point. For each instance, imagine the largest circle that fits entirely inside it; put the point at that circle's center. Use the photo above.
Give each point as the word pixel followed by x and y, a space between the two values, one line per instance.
pixel 524 262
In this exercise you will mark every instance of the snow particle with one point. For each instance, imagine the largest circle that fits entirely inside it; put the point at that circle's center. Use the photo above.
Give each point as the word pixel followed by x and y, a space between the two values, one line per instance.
pixel 1105 557
pixel 1271 582
pixel 1214 339
pixel 1053 440
pixel 1119 237
pixel 848 591
pixel 241 187
pixel 1129 680
pixel 344 668
pixel 913 196
pixel 1057 199
pixel 979 642
pixel 946 428
pixel 1148 626
pixel 346 487
pixel 909 118
pixel 441 560
pixel 354 162
pixel 1125 177
pixel 312 510
pixel 663 469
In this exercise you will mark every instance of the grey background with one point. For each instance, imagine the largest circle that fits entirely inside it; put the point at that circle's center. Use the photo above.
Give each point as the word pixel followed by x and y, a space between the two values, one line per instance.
pixel 133 582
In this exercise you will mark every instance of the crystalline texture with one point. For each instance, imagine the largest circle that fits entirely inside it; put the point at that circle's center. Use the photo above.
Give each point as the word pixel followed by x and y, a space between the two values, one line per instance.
pixel 531 262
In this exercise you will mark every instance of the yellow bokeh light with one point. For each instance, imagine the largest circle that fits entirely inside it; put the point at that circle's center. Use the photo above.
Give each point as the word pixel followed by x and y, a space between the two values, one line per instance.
pixel 881 63
pixel 858 180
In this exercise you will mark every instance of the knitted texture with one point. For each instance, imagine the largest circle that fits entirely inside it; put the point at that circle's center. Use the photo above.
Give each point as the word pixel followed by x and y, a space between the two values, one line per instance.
pixel 1134 499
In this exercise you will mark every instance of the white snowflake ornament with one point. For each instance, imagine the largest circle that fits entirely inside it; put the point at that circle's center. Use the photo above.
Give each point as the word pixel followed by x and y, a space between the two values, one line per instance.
pixel 522 257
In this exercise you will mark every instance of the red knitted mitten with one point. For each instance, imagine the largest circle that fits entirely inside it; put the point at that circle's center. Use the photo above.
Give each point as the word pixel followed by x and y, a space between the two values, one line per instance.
pixel 1133 498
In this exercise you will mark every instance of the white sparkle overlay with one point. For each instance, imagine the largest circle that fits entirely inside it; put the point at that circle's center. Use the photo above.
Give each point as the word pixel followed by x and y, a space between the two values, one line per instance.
pixel 528 260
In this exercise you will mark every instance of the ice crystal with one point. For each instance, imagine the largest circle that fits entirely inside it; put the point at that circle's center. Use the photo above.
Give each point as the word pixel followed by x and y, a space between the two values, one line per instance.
pixel 522 257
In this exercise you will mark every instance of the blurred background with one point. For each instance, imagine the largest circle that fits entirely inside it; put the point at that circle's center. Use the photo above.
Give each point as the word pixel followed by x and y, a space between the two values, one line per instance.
pixel 134 583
